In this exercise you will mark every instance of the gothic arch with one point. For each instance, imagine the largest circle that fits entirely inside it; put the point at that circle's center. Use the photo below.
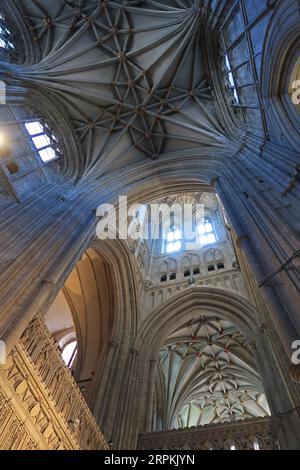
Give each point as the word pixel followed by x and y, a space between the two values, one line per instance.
pixel 100 295
pixel 85 307
pixel 183 307
pixel 155 184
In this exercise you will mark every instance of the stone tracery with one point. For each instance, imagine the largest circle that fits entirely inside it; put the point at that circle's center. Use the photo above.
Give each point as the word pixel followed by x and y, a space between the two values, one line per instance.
pixel 207 375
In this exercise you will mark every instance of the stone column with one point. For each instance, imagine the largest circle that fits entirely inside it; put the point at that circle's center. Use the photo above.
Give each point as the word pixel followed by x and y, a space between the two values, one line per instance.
pixel 243 226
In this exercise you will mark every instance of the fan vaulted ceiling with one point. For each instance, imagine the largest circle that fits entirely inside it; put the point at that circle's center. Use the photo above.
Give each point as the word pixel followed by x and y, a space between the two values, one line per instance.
pixel 131 75
pixel 207 375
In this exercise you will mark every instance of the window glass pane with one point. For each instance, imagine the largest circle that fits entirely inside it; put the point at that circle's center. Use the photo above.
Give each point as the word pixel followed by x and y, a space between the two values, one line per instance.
pixel 34 127
pixel 243 75
pixel 47 154
pixel 254 8
pixel 211 238
pixel 239 54
pixel 41 141
pixel 248 95
pixel 230 80
pixel 234 27
pixel 68 352
pixel 201 229
pixel 177 235
pixel 205 227
pixel 5 36
pixel 177 246
pixel 258 34
pixel 173 246
pixel 227 62
pixel 170 236
pixel 258 65
pixel 174 236
pixel 236 96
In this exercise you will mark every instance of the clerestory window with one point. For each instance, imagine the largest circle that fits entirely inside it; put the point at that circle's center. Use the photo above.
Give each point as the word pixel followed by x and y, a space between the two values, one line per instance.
pixel 44 141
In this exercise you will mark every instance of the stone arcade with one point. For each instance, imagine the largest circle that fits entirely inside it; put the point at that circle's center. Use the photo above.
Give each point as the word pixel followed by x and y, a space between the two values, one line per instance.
pixel 175 341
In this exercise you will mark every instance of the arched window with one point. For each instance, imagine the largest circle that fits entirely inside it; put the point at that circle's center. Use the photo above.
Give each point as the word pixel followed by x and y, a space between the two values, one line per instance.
pixel 60 323
pixel 174 239
pixel 69 352
pixel 206 233
pixel 6 37
pixel 44 140
pixel 256 446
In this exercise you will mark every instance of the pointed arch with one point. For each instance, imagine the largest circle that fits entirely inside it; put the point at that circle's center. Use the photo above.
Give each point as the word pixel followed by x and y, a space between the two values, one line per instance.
pixel 195 300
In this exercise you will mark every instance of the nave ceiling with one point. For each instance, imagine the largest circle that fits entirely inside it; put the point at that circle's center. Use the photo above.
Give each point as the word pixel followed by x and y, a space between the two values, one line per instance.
pixel 132 77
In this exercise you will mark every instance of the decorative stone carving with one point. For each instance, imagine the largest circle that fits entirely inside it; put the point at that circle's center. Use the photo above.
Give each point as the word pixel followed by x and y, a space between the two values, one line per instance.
pixel 34 364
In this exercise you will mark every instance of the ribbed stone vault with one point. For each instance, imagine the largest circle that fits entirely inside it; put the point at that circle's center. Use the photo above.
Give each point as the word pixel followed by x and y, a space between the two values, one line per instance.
pixel 131 75
pixel 207 375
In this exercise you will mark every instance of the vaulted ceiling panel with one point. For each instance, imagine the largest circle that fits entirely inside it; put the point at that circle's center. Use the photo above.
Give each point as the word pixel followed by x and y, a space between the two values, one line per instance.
pixel 131 75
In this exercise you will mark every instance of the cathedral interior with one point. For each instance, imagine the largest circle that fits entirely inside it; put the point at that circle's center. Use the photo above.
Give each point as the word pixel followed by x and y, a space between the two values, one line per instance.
pixel 138 342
